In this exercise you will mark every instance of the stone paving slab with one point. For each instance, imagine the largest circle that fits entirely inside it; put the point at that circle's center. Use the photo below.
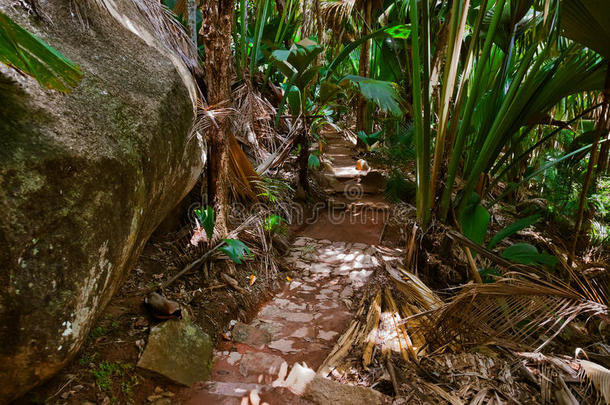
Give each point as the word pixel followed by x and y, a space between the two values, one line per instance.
pixel 300 324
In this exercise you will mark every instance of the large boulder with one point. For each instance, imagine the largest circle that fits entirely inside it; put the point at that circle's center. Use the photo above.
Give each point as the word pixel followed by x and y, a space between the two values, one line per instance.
pixel 84 178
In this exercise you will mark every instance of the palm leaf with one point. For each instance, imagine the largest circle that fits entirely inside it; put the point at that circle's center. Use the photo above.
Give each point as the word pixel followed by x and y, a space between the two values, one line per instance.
pixel 384 94
pixel 586 22
pixel 598 375
pixel 518 308
pixel 27 53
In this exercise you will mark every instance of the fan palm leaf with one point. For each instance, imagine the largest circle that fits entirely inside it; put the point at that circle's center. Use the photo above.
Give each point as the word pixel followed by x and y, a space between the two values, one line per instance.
pixel 520 309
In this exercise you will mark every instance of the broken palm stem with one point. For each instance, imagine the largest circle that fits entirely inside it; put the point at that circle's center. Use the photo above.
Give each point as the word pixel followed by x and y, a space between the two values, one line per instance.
pixel 476 277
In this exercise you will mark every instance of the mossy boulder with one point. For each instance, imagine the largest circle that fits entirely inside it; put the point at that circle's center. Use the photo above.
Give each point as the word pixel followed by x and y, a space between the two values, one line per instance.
pixel 85 178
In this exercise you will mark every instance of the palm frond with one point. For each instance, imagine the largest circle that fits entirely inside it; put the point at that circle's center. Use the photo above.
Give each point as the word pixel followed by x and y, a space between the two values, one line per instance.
pixel 27 53
pixel 598 375
pixel 519 308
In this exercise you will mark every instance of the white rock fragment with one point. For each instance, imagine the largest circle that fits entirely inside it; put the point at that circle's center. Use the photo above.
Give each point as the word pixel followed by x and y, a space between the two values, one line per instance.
pixel 299 378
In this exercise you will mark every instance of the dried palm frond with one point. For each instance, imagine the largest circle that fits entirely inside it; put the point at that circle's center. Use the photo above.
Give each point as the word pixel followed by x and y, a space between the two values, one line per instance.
pixel 241 173
pixel 598 375
pixel 335 13
pixel 253 124
pixel 519 308
pixel 208 116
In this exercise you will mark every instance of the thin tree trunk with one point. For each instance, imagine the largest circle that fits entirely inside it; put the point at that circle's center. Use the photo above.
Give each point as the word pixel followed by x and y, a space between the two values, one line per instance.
pixel 363 68
pixel 602 127
pixel 216 35
pixel 191 12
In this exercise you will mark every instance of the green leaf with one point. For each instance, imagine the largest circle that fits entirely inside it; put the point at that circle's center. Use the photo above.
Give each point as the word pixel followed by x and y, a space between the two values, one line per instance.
pixel 313 161
pixel 586 22
pixel 488 275
pixel 399 31
pixel 235 249
pixel 294 100
pixel 474 220
pixel 369 139
pixel 385 94
pixel 206 218
pixel 274 223
pixel 26 52
pixel 525 253
pixel 512 229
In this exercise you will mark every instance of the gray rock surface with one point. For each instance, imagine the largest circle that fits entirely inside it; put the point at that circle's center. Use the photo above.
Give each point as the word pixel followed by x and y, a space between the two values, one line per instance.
pixel 84 179
pixel 323 391
pixel 179 350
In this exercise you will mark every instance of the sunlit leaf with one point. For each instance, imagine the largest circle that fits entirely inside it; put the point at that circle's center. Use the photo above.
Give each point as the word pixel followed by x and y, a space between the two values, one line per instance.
pixel 313 162
pixel 206 219
pixel 26 52
pixel 235 249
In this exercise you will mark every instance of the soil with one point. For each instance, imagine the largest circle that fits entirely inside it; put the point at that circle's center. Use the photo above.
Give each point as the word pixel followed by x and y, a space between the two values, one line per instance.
pixel 119 336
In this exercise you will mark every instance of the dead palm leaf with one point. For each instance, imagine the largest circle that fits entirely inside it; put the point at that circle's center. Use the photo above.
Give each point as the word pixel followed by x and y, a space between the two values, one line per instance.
pixel 598 375
pixel 519 308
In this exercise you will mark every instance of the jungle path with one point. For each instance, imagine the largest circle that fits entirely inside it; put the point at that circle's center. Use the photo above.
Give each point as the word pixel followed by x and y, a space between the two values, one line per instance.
pixel 333 256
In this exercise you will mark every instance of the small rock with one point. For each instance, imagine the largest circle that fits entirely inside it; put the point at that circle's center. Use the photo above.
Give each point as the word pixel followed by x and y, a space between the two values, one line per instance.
pixel 233 358
pixel 179 350
pixel 163 401
pixel 323 391
pixel 250 335
pixel 283 345
pixel 327 335
pixel 339 245
pixel 360 246
pixel 371 250
pixel 254 363
pixel 347 292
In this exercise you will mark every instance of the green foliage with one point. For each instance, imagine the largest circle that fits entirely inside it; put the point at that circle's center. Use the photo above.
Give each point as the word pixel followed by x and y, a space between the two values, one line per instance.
pixel 512 229
pixel 235 249
pixel 29 54
pixel 106 371
pixel 525 253
pixel 474 219
pixel 369 139
pixel 98 332
pixel 275 224
pixel 313 161
pixel 398 188
pixel 383 93
pixel 489 275
pixel 273 189
pixel 206 218
pixel 87 358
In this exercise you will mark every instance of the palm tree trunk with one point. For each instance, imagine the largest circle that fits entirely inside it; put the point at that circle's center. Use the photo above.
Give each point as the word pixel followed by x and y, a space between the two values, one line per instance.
pixel 216 35
pixel 602 127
